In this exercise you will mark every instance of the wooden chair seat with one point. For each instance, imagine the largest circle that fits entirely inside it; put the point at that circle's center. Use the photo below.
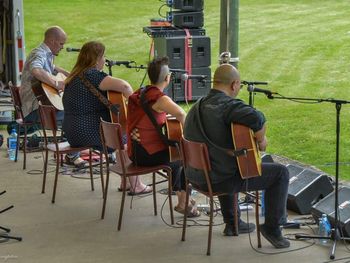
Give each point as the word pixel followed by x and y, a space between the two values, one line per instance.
pixel 17 104
pixel 111 137
pixel 195 155
pixel 48 122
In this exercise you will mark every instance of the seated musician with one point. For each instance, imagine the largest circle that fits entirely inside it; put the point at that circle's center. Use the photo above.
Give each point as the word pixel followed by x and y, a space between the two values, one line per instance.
pixel 217 111
pixel 82 108
pixel 40 68
pixel 145 145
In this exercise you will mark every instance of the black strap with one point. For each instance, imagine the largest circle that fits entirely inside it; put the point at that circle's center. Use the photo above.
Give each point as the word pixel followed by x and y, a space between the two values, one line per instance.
pixel 147 110
pixel 230 152
pixel 114 108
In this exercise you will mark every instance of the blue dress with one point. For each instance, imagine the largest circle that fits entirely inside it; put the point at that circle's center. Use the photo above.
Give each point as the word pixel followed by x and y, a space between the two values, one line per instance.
pixel 83 110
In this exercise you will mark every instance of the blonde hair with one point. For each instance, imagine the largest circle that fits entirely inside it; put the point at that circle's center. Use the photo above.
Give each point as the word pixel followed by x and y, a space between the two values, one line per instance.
pixel 89 54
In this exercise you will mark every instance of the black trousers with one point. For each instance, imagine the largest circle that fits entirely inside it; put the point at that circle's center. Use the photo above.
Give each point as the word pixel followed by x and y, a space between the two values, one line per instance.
pixel 275 181
pixel 142 157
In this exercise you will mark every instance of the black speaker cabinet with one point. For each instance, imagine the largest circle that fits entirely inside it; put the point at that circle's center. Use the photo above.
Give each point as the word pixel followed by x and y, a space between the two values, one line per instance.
pixel 306 187
pixel 186 19
pixel 176 88
pixel 187 5
pixel 327 206
pixel 174 48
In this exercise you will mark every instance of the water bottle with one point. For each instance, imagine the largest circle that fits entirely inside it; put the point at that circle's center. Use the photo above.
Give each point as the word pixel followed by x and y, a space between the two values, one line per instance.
pixel 262 207
pixel 12 145
pixel 324 229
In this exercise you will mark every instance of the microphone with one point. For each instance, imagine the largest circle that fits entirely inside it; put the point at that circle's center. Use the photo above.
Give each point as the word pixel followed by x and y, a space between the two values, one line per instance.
pixel 72 49
pixel 118 62
pixel 185 77
pixel 267 92
pixel 253 82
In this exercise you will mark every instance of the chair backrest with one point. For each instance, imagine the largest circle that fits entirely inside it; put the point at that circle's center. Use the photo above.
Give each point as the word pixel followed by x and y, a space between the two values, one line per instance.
pixel 17 104
pixel 111 137
pixel 48 120
pixel 196 155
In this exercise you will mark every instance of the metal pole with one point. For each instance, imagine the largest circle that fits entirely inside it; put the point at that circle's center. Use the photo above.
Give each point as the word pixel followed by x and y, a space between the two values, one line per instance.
pixel 229 29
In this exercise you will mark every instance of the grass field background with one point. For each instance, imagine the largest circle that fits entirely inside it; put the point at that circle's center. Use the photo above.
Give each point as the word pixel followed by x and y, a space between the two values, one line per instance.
pixel 301 47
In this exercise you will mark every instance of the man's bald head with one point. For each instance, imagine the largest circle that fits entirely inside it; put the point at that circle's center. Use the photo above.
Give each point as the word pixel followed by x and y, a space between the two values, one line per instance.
pixel 227 80
pixel 55 38
pixel 226 74
pixel 54 32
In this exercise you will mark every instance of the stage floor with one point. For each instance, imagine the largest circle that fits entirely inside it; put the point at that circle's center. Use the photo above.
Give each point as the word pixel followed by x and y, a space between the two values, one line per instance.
pixel 71 229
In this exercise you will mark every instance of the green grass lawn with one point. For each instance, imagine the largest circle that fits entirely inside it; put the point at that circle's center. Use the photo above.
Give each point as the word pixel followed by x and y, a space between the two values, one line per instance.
pixel 301 47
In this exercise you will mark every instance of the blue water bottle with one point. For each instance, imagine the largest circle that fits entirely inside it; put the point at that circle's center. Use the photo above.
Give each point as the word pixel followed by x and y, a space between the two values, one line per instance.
pixel 324 229
pixel 12 145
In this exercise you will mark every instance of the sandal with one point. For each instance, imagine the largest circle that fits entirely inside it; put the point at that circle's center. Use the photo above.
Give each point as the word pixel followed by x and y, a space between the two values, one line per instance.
pixel 76 161
pixel 120 189
pixel 146 190
pixel 191 211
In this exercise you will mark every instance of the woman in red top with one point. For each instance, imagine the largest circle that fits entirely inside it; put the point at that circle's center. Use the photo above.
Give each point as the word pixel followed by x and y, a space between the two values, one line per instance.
pixel 145 146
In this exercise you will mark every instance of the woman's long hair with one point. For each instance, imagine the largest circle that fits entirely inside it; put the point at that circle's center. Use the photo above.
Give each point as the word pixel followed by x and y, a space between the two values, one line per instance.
pixel 89 54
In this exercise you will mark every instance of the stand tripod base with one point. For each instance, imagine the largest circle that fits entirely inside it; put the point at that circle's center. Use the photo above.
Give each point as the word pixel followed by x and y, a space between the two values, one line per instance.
pixel 5 237
pixel 335 236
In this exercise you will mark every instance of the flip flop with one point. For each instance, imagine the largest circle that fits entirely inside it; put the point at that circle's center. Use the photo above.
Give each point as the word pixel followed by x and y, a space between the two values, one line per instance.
pixel 147 190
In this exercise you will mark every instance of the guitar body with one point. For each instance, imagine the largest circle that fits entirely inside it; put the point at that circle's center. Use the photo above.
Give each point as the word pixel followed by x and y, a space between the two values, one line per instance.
pixel 117 98
pixel 243 138
pixel 174 133
pixel 49 95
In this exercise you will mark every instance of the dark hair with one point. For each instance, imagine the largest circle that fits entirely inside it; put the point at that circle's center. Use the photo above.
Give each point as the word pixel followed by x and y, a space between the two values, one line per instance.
pixel 154 68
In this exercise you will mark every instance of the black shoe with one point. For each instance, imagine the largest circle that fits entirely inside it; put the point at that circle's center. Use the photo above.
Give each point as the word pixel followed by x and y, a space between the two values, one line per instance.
pixel 274 236
pixel 243 228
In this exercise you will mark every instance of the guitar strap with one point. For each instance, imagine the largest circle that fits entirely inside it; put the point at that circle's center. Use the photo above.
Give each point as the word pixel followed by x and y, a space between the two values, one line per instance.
pixel 230 152
pixel 114 108
pixel 147 110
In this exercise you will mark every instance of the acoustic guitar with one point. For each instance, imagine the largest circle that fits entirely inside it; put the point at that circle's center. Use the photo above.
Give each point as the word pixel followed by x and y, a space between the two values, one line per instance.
pixel 249 164
pixel 117 98
pixel 48 95
pixel 174 132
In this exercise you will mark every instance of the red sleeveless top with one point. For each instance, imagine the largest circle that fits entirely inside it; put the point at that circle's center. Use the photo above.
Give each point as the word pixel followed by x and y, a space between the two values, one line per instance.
pixel 137 118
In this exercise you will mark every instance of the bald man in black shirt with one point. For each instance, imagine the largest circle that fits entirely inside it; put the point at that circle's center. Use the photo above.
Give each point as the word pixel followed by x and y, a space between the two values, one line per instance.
pixel 216 112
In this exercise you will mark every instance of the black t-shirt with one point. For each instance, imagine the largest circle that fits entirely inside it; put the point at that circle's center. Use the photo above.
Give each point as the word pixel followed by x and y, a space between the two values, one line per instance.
pixel 217 112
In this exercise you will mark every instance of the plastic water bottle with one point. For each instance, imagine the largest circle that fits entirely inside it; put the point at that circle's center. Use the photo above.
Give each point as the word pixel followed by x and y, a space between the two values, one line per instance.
pixel 12 145
pixel 324 229
pixel 262 207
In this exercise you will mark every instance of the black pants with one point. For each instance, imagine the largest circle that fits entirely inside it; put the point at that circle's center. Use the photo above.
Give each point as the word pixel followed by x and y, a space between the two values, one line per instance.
pixel 142 157
pixel 275 181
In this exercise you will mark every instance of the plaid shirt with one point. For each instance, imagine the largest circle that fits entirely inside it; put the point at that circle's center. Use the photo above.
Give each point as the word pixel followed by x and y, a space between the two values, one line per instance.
pixel 40 57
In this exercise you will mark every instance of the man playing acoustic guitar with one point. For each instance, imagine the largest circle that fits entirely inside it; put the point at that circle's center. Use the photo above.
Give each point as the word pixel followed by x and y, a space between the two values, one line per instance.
pixel 216 112
pixel 40 68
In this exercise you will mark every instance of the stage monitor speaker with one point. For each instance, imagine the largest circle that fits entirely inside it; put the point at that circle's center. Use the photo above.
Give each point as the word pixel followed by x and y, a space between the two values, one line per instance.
pixel 327 205
pixel 174 49
pixel 186 5
pixel 186 19
pixel 176 88
pixel 306 187
pixel 266 158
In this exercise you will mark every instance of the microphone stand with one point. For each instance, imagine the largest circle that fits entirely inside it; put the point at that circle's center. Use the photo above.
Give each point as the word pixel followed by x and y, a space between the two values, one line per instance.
pixel 335 233
pixel 251 94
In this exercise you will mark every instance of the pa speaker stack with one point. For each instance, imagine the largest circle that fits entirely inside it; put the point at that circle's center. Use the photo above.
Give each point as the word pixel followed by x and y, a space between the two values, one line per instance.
pixel 306 188
pixel 187 47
